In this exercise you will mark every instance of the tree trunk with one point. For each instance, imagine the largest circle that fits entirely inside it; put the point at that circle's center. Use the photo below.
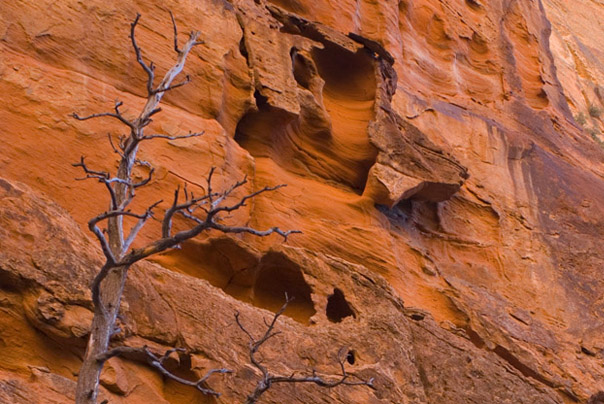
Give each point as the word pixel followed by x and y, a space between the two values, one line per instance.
pixel 103 324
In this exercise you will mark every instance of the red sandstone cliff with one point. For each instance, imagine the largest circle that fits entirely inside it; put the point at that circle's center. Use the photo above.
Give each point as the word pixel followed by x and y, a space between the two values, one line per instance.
pixel 433 162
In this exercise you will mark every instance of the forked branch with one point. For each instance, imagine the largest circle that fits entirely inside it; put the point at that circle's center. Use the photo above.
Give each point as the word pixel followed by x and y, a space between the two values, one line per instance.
pixel 205 212
pixel 268 379
pixel 158 362
pixel 148 68
pixel 117 115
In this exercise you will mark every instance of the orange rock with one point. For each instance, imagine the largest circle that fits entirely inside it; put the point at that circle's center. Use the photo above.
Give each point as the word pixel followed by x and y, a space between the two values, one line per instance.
pixel 451 207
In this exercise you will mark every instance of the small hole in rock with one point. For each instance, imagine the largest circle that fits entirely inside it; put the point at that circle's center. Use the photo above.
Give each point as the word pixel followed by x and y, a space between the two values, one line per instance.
pixel 417 316
pixel 337 307
pixel 350 357
pixel 261 100
pixel 587 351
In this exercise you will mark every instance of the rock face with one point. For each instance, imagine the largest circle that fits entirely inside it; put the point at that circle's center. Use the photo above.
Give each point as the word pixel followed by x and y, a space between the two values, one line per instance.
pixel 443 160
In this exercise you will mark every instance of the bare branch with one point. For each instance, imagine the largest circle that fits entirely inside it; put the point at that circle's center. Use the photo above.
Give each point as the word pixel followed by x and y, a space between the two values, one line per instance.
pixel 250 230
pixel 242 201
pixel 268 379
pixel 226 193
pixel 176 207
pixel 149 69
pixel 186 213
pixel 103 241
pixel 102 176
pixel 160 136
pixel 146 180
pixel 96 283
pixel 122 140
pixel 167 222
pixel 154 111
pixel 186 209
pixel 238 321
pixel 117 115
pixel 158 362
pixel 115 213
pixel 187 80
pixel 139 225
pixel 193 37
pixel 255 344
pixel 209 182
pixel 115 150
pixel 175 33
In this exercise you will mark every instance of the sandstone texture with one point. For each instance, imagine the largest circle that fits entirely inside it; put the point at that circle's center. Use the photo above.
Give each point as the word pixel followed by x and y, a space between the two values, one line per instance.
pixel 443 159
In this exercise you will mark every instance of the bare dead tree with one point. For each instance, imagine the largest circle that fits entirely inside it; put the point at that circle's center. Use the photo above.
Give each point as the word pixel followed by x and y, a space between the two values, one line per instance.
pixel 268 379
pixel 204 213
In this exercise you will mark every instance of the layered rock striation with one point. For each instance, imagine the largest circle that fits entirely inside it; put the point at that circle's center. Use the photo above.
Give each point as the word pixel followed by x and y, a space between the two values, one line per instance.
pixel 451 199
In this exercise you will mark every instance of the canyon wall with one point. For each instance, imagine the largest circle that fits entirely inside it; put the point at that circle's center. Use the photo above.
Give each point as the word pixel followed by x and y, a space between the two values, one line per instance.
pixel 443 160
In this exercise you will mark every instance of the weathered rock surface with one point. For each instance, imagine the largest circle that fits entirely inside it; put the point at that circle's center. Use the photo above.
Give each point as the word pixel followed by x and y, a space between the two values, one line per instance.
pixel 451 204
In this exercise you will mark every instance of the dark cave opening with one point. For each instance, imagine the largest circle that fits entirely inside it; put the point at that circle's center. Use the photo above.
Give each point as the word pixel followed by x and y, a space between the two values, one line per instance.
pixel 337 307
pixel 277 276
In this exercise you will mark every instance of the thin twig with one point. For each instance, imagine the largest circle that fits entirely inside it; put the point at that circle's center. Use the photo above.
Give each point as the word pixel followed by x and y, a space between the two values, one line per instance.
pixel 115 150
pixel 169 137
pixel 117 115
pixel 175 33
pixel 149 69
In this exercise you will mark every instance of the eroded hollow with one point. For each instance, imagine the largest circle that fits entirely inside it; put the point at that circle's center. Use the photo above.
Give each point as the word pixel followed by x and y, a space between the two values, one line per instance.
pixel 349 99
pixel 221 261
pixel 328 138
pixel 337 307
pixel 348 76
pixel 278 276
pixel 302 69
pixel 230 266
pixel 266 132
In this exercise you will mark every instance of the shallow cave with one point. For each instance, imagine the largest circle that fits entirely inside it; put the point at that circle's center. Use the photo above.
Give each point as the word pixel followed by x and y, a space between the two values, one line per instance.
pixel 337 307
pixel 228 265
pixel 264 132
pixel 328 138
pixel 349 96
pixel 278 275
pixel 223 262
pixel 414 213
